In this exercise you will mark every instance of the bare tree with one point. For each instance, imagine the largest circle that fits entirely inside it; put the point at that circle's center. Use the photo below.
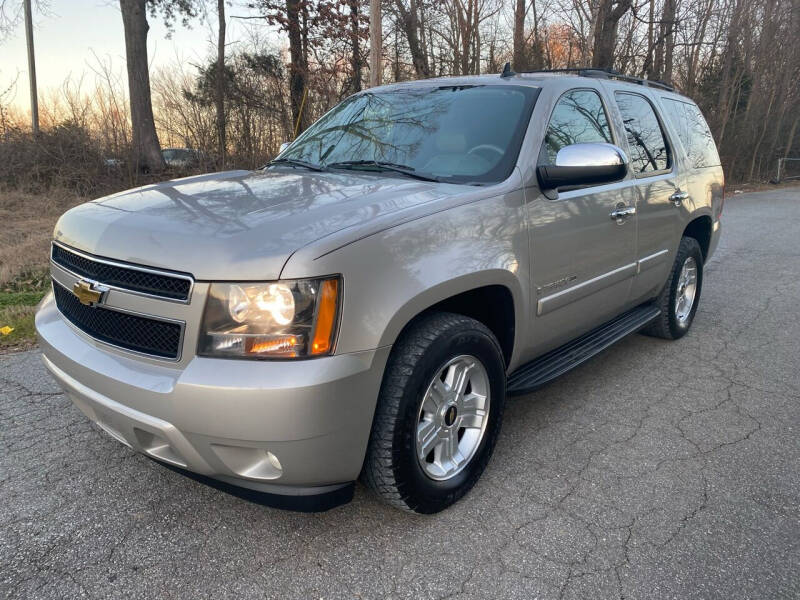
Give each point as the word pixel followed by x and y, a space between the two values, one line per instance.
pixel 608 15
pixel 375 42
pixel 409 20
pixel 219 99
pixel 355 43
pixel 146 148
pixel 520 59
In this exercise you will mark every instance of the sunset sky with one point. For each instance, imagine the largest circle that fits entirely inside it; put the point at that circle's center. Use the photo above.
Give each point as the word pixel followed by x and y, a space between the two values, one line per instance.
pixel 73 31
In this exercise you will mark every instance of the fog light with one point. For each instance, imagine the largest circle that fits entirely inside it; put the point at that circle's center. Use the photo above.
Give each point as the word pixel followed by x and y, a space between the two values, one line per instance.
pixel 251 463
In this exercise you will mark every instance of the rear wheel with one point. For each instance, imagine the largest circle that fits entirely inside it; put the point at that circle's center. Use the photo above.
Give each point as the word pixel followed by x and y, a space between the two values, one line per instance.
pixel 438 415
pixel 681 294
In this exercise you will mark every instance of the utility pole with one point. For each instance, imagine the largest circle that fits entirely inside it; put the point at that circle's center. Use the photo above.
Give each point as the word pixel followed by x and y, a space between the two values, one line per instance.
pixel 375 42
pixel 31 68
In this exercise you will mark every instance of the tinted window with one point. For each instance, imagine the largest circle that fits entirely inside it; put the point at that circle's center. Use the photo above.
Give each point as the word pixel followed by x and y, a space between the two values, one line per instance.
pixel 457 134
pixel 693 132
pixel 578 118
pixel 645 138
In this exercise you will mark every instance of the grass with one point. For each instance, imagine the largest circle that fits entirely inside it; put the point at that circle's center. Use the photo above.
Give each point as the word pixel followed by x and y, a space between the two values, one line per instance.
pixel 26 227
pixel 18 302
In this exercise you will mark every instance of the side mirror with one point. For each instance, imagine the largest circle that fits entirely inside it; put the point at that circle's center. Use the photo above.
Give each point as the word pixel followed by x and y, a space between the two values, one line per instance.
pixel 583 164
pixel 284 146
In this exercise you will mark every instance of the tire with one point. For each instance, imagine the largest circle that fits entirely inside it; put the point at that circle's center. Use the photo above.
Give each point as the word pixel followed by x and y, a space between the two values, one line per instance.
pixel 674 321
pixel 392 468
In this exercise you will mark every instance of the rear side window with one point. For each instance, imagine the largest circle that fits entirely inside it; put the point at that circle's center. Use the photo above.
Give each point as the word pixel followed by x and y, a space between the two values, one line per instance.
pixel 693 132
pixel 578 118
pixel 649 152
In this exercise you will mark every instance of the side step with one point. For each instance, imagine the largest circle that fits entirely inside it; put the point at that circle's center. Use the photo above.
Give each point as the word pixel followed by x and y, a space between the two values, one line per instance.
pixel 547 367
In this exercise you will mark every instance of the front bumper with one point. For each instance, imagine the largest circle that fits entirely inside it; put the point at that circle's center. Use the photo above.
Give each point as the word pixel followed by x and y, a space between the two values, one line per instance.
pixel 292 428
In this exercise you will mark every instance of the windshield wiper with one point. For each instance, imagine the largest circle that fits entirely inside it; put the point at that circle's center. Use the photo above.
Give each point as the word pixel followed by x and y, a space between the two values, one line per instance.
pixel 378 165
pixel 295 162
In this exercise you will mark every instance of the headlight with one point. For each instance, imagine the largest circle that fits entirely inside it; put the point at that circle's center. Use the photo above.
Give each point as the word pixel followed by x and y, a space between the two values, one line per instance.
pixel 281 319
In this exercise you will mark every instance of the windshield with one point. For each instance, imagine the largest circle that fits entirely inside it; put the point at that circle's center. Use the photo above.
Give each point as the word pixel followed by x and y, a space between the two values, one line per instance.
pixel 465 134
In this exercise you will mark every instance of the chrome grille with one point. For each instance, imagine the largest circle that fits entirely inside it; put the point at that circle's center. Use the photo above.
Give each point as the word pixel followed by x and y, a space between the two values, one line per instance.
pixel 129 277
pixel 125 330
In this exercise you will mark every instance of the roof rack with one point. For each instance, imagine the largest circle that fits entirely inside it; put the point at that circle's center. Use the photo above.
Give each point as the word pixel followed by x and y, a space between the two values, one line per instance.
pixel 598 73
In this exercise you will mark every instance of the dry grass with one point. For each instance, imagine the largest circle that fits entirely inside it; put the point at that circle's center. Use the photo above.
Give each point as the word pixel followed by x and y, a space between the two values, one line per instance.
pixel 26 228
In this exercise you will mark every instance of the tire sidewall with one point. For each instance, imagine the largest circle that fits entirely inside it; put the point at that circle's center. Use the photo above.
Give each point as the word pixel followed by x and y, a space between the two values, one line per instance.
pixel 688 248
pixel 423 494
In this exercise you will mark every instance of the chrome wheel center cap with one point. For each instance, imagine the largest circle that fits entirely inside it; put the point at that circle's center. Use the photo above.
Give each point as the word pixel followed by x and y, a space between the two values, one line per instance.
pixel 450 415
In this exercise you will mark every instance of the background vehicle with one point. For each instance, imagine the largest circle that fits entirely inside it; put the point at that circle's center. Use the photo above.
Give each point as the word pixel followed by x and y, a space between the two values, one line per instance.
pixel 363 305
pixel 181 157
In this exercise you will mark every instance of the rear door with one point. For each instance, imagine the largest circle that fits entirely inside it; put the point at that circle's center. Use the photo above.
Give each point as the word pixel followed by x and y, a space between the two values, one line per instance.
pixel 702 165
pixel 583 260
pixel 660 187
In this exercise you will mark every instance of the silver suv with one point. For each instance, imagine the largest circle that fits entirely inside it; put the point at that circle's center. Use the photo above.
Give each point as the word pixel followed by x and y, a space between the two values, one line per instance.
pixel 361 307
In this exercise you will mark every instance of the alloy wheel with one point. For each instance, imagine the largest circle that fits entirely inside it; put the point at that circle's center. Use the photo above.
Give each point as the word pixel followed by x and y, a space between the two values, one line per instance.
pixel 452 417
pixel 686 291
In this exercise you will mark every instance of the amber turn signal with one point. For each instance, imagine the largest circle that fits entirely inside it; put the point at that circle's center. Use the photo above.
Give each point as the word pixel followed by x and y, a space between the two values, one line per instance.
pixel 326 317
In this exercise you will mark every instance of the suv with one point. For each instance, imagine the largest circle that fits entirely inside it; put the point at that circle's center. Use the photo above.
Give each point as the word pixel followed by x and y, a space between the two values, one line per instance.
pixel 362 306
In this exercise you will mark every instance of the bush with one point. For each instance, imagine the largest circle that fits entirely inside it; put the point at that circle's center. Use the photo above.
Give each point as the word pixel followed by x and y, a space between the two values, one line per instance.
pixel 64 156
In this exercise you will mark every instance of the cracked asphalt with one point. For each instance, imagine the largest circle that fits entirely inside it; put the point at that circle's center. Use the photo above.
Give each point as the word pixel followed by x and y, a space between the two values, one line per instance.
pixel 657 470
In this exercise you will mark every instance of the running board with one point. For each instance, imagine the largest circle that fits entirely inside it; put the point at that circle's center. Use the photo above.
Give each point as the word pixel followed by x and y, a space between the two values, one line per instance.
pixel 557 362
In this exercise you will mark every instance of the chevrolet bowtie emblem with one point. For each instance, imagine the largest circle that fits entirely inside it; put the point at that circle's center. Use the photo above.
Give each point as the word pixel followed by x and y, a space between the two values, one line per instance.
pixel 86 294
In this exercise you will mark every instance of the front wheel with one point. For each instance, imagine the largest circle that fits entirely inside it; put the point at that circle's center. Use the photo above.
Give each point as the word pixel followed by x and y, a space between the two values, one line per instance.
pixel 681 294
pixel 439 413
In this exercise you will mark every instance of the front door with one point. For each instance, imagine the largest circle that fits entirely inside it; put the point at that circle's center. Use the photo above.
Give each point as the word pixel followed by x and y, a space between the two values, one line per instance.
pixel 583 259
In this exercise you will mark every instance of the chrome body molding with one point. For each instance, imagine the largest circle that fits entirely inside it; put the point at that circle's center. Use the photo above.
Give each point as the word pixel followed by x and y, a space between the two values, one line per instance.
pixel 652 260
pixel 576 292
pixel 583 289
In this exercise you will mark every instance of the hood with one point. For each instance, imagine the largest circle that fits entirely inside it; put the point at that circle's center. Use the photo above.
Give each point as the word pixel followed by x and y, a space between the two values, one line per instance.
pixel 237 225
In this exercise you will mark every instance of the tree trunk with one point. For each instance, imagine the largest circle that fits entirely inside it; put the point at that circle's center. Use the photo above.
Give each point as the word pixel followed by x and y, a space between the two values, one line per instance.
pixel 355 41
pixel 665 44
pixel 146 149
pixel 647 68
pixel 520 58
pixel 669 23
pixel 220 89
pixel 375 42
pixel 605 33
pixel 538 46
pixel 409 19
pixel 297 70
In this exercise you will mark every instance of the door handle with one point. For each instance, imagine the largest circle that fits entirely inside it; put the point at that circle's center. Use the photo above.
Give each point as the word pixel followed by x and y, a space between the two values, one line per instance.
pixel 678 197
pixel 620 214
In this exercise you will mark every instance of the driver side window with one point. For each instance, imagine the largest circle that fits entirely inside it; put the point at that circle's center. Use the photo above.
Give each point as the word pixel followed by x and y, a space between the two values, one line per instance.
pixel 578 118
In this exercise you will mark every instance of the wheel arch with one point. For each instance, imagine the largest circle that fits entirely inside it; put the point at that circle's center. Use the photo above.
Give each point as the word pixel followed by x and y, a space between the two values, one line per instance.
pixel 492 298
pixel 700 229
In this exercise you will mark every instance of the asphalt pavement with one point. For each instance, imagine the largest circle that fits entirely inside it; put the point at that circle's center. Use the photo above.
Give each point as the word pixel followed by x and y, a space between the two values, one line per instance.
pixel 657 470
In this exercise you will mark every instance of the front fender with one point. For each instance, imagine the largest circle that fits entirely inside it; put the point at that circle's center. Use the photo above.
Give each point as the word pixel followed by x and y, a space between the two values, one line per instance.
pixel 395 274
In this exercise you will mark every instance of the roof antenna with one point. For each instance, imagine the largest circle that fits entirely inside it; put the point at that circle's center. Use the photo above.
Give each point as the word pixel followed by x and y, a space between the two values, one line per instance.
pixel 507 72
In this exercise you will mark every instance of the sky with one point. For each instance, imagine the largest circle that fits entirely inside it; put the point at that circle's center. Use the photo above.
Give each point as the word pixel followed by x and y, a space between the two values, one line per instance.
pixel 68 37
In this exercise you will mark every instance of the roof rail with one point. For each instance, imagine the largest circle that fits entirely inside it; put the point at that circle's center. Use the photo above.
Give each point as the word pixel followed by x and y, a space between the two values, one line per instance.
pixel 599 73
